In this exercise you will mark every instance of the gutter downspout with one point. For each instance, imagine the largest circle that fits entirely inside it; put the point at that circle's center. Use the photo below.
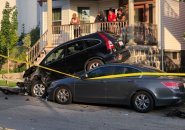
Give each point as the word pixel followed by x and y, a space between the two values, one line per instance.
pixel 160 34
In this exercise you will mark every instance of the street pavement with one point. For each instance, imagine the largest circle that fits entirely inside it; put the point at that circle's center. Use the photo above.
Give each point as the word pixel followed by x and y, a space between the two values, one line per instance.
pixel 28 113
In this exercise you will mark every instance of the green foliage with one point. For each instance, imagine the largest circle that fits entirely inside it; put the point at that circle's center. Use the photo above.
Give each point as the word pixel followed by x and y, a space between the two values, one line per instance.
pixel 19 53
pixel 27 40
pixel 35 35
pixel 8 33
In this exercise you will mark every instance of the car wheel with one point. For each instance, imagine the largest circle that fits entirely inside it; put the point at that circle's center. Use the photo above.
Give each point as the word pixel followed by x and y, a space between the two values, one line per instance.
pixel 93 64
pixel 38 89
pixel 63 95
pixel 142 102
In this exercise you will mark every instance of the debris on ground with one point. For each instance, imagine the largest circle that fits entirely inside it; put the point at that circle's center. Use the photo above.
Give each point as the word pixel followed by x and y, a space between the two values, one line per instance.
pixel 176 113
pixel 27 99
pixel 6 98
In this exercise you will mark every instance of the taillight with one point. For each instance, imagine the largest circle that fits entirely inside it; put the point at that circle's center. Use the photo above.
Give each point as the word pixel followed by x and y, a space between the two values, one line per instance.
pixel 109 44
pixel 173 85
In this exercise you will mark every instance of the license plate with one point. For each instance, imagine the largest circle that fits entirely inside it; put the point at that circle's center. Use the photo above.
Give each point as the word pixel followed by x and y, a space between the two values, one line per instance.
pixel 120 43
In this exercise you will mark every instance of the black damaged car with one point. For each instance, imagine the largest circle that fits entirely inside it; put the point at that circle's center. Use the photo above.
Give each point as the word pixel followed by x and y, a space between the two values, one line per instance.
pixel 81 54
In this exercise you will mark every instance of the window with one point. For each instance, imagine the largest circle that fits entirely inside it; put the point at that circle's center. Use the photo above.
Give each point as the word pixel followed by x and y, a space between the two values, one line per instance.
pixel 75 48
pixel 174 55
pixel 57 20
pixel 124 70
pixel 90 43
pixel 56 55
pixel 102 71
pixel 84 14
pixel 57 17
pixel 128 70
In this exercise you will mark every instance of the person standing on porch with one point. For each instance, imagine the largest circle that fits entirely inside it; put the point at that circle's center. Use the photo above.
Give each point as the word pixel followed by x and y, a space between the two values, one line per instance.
pixel 120 18
pixel 111 18
pixel 120 15
pixel 100 19
pixel 76 22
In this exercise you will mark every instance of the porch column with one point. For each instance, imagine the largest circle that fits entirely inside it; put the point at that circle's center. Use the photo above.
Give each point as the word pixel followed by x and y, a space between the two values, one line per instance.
pixel 131 21
pixel 49 24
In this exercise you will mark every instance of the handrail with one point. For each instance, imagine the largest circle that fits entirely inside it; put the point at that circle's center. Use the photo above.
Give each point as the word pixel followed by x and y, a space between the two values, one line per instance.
pixel 37 48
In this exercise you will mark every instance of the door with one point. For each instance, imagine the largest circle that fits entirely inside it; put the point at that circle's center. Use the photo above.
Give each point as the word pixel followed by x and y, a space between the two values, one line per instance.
pixel 76 56
pixel 92 90
pixel 139 13
pixel 56 60
pixel 119 89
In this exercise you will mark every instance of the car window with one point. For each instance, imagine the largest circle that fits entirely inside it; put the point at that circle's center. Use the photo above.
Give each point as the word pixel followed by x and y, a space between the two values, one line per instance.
pixel 91 43
pixel 56 55
pixel 75 48
pixel 102 71
pixel 128 70
pixel 124 70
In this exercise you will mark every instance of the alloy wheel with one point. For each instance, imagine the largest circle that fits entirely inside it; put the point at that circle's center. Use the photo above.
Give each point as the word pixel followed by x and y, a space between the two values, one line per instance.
pixel 94 65
pixel 63 95
pixel 39 90
pixel 142 102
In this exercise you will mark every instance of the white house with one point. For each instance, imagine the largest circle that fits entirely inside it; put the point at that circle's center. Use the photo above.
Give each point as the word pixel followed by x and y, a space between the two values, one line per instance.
pixel 27 13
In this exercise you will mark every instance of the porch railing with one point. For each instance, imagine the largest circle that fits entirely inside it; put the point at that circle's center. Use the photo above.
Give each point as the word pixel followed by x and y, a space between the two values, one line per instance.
pixel 144 33
pixel 37 48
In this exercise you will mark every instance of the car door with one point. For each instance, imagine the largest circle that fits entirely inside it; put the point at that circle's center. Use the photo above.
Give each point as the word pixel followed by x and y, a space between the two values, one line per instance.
pixel 92 90
pixel 75 56
pixel 55 60
pixel 119 89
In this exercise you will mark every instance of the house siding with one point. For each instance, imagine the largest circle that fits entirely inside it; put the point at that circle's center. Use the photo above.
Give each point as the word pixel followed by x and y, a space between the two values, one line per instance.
pixel 106 4
pixel 172 27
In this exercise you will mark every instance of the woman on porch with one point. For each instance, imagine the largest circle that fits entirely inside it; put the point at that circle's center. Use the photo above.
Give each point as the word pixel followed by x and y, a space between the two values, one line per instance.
pixel 76 22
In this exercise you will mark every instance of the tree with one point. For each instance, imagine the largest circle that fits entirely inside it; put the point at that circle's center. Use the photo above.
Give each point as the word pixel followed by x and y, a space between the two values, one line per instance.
pixel 8 32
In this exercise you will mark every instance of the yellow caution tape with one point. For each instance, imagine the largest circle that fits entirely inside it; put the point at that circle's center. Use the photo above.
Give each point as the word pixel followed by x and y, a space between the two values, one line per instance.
pixel 138 74
pixel 101 77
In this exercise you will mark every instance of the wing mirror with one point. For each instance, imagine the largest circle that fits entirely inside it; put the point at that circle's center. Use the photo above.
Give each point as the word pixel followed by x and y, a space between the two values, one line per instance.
pixel 84 76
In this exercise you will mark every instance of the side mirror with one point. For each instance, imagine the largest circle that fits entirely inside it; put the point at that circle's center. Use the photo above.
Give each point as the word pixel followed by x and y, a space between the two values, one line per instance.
pixel 84 76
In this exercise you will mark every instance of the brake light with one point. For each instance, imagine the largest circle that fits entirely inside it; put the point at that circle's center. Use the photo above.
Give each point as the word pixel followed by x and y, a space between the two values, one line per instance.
pixel 173 85
pixel 109 44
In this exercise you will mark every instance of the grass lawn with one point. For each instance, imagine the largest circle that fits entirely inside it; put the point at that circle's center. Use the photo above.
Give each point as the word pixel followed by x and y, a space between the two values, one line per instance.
pixel 4 83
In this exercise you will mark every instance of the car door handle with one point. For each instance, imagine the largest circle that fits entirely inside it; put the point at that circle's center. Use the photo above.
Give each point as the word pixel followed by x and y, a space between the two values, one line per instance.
pixel 130 81
pixel 104 81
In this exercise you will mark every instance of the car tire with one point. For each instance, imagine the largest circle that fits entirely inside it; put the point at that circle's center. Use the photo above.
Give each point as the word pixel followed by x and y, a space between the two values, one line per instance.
pixel 37 89
pixel 93 64
pixel 63 95
pixel 142 102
